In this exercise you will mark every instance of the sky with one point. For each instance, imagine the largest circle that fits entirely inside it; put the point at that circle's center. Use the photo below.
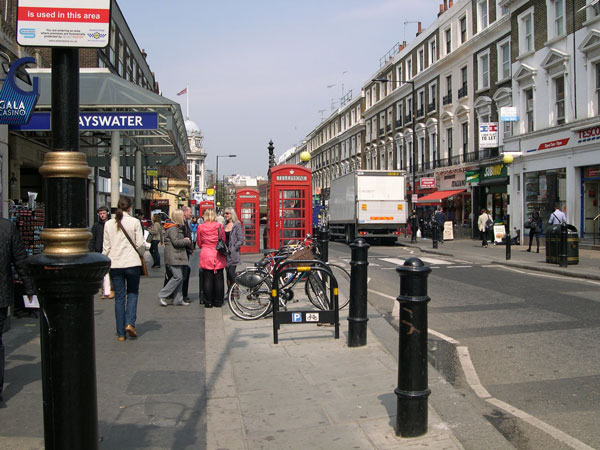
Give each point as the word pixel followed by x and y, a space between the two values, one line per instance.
pixel 260 70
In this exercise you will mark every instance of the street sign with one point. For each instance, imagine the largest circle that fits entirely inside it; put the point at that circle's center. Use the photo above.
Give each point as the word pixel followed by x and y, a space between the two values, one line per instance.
pixel 92 120
pixel 63 23
pixel 488 135
pixel 509 114
pixel 210 191
pixel 427 183
pixel 414 198
pixel 152 171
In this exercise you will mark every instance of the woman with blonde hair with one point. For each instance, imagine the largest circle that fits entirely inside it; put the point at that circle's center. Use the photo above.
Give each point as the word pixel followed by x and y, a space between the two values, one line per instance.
pixel 176 245
pixel 234 240
pixel 211 261
pixel 124 245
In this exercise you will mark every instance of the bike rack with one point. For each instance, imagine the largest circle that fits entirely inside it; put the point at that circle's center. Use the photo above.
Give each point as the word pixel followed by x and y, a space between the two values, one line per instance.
pixel 318 316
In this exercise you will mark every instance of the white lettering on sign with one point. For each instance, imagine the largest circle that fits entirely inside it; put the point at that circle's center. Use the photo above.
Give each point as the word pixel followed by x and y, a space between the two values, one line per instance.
pixel 296 317
pixel 291 178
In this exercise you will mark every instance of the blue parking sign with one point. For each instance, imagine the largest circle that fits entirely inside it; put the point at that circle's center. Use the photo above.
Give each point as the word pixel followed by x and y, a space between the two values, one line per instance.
pixel 296 317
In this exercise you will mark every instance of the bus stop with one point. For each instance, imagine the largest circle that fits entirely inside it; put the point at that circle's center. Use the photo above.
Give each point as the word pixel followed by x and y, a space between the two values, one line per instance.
pixel 247 209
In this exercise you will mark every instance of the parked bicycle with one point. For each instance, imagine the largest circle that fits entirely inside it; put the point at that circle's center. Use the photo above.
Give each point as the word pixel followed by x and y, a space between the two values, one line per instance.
pixel 250 295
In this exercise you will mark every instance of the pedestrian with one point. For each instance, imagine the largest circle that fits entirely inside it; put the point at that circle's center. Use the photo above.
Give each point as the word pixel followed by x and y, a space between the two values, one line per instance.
pixel 95 245
pixel 187 216
pixel 156 230
pixel 194 230
pixel 484 225
pixel 12 252
pixel 557 217
pixel 440 220
pixel 124 245
pixel 176 257
pixel 234 240
pixel 211 261
pixel 414 225
pixel 535 228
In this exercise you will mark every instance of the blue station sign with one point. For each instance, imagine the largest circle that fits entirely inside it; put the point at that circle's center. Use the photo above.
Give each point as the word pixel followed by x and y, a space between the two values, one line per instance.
pixel 15 103
pixel 99 121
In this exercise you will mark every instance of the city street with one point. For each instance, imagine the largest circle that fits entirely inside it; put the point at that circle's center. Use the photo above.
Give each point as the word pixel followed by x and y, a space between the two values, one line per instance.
pixel 531 338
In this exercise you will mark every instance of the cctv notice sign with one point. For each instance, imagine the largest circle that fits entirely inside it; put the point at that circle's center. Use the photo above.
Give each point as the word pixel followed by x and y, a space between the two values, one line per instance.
pixel 63 23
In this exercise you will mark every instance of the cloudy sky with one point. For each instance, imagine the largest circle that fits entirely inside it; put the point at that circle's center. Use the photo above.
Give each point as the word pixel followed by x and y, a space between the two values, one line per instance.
pixel 260 70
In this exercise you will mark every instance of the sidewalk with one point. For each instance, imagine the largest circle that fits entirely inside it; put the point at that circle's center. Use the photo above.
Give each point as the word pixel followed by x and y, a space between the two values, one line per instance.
pixel 199 378
pixel 471 250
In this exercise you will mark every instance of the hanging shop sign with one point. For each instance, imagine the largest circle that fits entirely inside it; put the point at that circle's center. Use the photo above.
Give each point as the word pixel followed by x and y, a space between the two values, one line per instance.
pixel 152 171
pixel 427 183
pixel 63 23
pixel 471 176
pixel 98 121
pixel 495 171
pixel 509 114
pixel 488 135
pixel 16 104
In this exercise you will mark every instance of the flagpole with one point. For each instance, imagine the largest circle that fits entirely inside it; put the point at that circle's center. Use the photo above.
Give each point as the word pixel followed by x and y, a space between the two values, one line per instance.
pixel 187 98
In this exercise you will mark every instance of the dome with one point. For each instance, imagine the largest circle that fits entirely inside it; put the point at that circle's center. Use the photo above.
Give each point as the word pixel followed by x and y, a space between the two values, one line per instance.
pixel 191 127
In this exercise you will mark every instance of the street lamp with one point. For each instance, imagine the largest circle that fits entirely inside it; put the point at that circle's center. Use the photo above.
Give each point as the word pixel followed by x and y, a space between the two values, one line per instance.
pixel 508 159
pixel 414 143
pixel 217 183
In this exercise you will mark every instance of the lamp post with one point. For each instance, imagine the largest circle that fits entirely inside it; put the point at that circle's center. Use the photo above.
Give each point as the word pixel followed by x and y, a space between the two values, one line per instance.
pixel 414 135
pixel 508 159
pixel 217 183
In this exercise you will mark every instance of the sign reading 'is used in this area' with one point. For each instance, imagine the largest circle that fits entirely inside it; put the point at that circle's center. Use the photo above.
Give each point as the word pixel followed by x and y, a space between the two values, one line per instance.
pixel 63 23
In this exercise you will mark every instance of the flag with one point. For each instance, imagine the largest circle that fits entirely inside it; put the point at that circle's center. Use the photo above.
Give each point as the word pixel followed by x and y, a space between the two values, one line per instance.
pixel 184 91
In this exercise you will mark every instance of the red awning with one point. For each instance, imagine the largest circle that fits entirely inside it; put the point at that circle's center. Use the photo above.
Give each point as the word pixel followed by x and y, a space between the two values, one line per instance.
pixel 437 196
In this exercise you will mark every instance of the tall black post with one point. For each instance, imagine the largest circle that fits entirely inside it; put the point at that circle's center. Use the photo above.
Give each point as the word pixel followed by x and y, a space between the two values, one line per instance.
pixel 434 233
pixel 324 243
pixel 562 256
pixel 357 315
pixel 66 275
pixel 508 243
pixel 412 391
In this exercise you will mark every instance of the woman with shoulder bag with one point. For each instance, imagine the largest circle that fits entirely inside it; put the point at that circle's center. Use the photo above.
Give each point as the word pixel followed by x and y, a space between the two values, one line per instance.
pixel 176 245
pixel 212 262
pixel 535 228
pixel 124 245
pixel 156 231
pixel 234 240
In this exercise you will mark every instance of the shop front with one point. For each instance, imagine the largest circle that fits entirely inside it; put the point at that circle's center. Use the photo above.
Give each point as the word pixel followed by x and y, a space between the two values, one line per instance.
pixel 591 209
pixel 542 190
pixel 493 182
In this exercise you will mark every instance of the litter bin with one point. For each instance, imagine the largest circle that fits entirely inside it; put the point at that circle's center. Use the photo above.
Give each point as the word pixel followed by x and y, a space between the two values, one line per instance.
pixel 553 245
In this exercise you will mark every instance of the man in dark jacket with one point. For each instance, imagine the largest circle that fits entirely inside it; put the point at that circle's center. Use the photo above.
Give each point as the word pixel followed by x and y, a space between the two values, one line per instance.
pixel 440 219
pixel 12 251
pixel 95 244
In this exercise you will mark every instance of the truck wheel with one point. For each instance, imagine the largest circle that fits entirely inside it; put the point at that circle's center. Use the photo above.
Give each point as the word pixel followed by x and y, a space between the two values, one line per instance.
pixel 349 234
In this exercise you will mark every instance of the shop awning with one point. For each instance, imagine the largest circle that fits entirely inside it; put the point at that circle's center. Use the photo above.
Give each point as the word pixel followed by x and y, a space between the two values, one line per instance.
pixel 102 91
pixel 438 196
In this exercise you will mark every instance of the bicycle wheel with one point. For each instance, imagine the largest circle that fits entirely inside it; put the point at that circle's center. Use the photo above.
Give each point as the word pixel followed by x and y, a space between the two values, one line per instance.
pixel 318 285
pixel 250 303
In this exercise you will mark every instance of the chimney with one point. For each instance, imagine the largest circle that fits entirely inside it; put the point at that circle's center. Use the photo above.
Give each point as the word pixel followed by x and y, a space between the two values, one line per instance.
pixel 445 5
pixel 418 28
pixel 144 54
pixel 450 3
pixel 441 10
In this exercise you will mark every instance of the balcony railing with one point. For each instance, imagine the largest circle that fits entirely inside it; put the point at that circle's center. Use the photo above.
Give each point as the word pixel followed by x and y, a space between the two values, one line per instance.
pixel 408 118
pixel 388 128
pixel 431 107
pixel 462 92
pixel 398 123
pixel 488 153
pixel 447 99
pixel 420 112
pixel 381 131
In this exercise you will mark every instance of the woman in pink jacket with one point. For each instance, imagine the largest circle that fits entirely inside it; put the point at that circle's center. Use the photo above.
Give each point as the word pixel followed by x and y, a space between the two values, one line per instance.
pixel 211 261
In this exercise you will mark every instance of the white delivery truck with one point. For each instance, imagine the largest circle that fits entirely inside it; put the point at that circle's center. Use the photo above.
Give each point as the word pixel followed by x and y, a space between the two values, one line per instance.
pixel 368 203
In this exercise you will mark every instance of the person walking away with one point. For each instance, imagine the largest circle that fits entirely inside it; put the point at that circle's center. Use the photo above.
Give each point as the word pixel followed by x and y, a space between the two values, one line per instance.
pixel 211 261
pixel 12 252
pixel 176 257
pixel 484 226
pixel 234 240
pixel 124 245
pixel 187 216
pixel 414 226
pixel 95 245
pixel 156 231
pixel 440 219
pixel 535 228
pixel 194 230
pixel 557 217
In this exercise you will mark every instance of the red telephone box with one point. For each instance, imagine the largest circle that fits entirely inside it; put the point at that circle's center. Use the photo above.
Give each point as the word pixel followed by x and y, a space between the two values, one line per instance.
pixel 204 205
pixel 289 204
pixel 247 208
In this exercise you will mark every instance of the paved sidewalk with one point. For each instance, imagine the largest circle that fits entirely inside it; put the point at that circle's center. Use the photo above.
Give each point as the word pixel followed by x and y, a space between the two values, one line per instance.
pixel 471 250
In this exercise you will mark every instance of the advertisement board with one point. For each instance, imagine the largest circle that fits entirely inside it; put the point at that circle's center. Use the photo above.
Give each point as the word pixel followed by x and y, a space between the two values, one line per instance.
pixel 63 23
pixel 488 135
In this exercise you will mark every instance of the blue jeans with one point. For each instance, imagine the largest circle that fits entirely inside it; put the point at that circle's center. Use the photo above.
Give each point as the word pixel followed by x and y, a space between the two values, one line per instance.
pixel 126 283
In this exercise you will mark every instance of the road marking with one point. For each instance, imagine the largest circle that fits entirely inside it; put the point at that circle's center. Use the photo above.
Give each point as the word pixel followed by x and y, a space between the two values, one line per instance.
pixel 552 431
pixel 399 261
pixel 442 336
pixel 458 267
pixel 381 294
pixel 471 373
pixel 490 265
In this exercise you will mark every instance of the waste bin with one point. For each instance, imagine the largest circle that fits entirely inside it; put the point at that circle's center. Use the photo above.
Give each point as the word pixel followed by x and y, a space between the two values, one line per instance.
pixel 553 244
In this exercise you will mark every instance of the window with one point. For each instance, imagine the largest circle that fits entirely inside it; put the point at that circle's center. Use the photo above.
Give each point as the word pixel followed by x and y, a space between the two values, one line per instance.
pixel 504 65
pixel 421 60
pixel 529 125
pixel 449 143
pixel 408 75
pixel 559 94
pixel 432 98
pixel 465 138
pixel 593 9
pixel 421 103
pixel 483 14
pixel 526 32
pixel 448 97
pixel 399 114
pixel 368 101
pixel 598 88
pixel 448 34
pixel 484 71
pixel 432 51
pixel 463 29
pixel 556 18
pixel 462 92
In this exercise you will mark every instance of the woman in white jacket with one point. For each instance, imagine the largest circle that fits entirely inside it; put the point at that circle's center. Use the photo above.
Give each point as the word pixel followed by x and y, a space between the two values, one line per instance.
pixel 123 244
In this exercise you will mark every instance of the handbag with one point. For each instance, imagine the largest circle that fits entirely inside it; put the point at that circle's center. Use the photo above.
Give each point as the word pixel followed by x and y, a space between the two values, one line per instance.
pixel 527 224
pixel 221 246
pixel 489 224
pixel 144 269
pixel 149 238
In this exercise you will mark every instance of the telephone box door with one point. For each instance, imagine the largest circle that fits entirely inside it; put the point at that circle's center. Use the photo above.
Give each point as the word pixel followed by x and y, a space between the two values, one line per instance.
pixel 293 221
pixel 247 208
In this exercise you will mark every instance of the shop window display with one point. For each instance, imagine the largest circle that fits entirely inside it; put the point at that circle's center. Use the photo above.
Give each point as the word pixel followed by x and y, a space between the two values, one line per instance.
pixel 542 190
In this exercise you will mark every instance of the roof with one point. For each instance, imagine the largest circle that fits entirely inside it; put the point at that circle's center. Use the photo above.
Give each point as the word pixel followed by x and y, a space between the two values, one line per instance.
pixel 101 90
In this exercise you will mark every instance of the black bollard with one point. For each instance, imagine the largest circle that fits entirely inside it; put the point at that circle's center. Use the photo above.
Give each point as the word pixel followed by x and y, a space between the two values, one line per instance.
pixel 357 314
pixel 434 233
pixel 412 391
pixel 66 275
pixel 324 243
pixel 508 243
pixel 562 256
